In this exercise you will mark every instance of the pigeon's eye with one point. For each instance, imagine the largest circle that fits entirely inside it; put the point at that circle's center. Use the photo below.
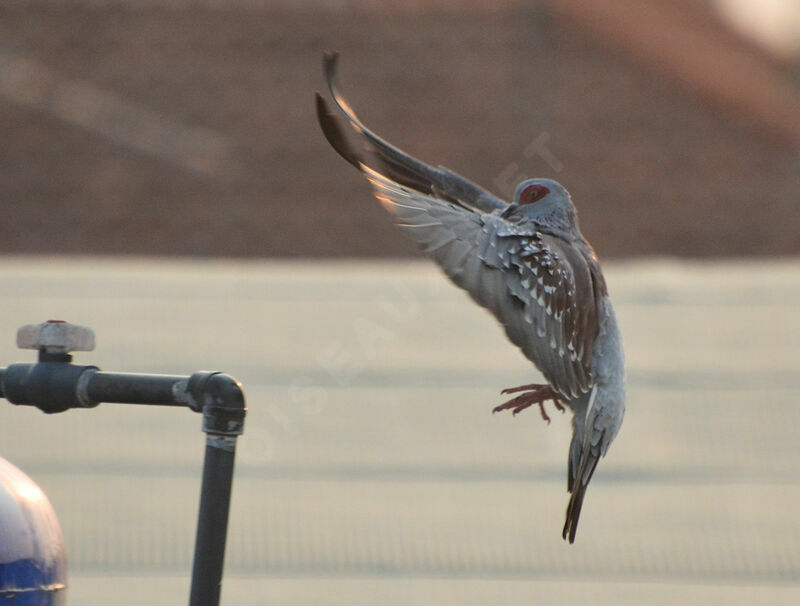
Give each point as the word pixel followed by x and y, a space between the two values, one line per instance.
pixel 533 193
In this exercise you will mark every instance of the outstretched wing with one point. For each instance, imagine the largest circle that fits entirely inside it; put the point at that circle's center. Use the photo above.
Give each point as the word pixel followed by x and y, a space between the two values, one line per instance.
pixel 529 280
pixel 394 163
pixel 542 289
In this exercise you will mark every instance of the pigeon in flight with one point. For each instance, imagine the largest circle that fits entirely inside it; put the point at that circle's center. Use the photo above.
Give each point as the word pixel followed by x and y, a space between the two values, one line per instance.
pixel 527 263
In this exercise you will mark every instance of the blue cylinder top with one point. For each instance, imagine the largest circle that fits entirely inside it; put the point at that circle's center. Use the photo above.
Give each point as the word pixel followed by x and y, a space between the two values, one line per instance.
pixel 33 561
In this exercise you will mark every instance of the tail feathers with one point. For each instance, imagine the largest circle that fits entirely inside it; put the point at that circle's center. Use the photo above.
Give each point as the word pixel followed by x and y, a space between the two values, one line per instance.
pixel 580 483
pixel 584 454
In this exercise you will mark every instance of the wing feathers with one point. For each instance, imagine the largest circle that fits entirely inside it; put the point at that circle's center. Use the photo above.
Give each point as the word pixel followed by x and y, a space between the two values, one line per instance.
pixel 536 275
pixel 541 288
pixel 544 290
pixel 395 163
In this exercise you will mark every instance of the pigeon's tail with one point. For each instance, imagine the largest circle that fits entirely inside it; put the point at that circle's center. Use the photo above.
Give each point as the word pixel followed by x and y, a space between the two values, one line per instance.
pixel 576 500
pixel 584 454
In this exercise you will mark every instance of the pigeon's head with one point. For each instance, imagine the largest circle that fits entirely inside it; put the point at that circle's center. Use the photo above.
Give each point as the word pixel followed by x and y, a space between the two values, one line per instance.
pixel 546 202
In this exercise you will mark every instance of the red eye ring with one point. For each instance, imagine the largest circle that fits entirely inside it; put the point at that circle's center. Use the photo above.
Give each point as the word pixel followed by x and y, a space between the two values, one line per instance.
pixel 533 193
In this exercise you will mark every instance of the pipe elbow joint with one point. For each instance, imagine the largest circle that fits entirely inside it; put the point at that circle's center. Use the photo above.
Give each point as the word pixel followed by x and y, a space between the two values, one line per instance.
pixel 221 400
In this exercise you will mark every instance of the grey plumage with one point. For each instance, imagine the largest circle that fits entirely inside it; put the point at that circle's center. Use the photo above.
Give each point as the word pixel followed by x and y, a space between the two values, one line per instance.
pixel 526 262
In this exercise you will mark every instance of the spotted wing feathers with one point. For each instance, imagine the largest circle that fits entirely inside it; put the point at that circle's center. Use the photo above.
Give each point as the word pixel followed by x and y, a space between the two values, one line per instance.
pixel 529 280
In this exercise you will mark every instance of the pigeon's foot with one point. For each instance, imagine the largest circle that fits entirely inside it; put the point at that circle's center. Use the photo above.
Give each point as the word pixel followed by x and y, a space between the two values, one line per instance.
pixel 534 394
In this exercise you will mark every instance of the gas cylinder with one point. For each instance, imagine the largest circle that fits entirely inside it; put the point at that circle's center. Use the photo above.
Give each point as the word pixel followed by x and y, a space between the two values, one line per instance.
pixel 33 560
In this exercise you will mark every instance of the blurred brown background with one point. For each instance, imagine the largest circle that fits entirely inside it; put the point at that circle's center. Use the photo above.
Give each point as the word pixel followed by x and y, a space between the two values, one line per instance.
pixel 185 127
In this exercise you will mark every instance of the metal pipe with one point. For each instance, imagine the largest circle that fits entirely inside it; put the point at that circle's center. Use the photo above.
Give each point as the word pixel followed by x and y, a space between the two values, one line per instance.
pixel 212 521
pixel 224 410
pixel 56 385
pixel 50 386
pixel 134 388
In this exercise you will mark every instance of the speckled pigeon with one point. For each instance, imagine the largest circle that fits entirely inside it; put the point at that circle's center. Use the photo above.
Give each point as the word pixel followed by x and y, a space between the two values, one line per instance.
pixel 527 263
